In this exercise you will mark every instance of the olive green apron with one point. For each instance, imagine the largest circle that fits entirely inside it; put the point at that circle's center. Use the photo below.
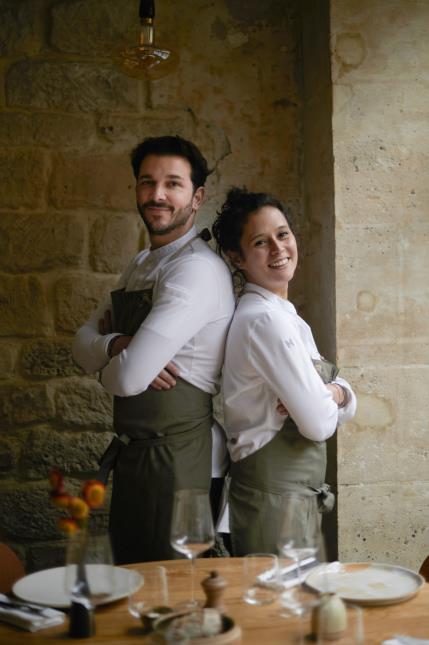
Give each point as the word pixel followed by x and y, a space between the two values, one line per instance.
pixel 288 463
pixel 167 446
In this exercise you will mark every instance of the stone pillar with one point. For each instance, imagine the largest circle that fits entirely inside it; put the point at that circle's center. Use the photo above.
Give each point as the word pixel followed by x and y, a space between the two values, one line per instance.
pixel 380 54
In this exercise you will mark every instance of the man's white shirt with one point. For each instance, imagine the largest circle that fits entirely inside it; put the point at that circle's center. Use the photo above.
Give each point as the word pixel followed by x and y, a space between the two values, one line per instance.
pixel 192 307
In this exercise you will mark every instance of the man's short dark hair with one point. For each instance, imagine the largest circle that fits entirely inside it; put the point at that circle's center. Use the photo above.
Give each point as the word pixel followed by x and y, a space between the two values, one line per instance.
pixel 176 146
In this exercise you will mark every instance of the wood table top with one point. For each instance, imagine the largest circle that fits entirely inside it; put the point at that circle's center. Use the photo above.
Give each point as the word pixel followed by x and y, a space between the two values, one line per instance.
pixel 260 625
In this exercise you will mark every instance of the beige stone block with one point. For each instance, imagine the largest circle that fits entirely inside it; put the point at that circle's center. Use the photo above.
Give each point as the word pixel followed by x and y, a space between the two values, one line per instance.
pixel 114 241
pixel 391 114
pixel 40 241
pixel 119 26
pixel 15 129
pixel 101 181
pixel 77 296
pixel 390 301
pixel 21 404
pixel 48 359
pixel 8 359
pixel 71 452
pixel 389 432
pixel 83 403
pixel 404 351
pixel 24 309
pixel 45 555
pixel 368 445
pixel 379 41
pixel 19 129
pixel 26 513
pixel 23 177
pixel 153 123
pixel 20 31
pixel 9 453
pixel 384 522
pixel 63 130
pixel 69 86
pixel 386 180
pixel 368 282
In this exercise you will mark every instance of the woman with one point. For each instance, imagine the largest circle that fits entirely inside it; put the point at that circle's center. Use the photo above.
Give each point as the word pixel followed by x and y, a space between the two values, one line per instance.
pixel 281 399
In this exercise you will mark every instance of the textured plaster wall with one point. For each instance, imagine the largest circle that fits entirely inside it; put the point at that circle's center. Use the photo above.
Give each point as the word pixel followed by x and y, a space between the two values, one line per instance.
pixel 68 119
pixel 380 68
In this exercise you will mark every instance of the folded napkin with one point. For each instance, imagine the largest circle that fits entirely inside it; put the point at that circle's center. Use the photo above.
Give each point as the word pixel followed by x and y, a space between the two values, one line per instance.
pixel 28 616
pixel 405 640
pixel 287 577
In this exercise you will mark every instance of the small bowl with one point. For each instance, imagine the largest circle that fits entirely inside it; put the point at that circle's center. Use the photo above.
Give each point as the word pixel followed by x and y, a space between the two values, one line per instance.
pixel 230 634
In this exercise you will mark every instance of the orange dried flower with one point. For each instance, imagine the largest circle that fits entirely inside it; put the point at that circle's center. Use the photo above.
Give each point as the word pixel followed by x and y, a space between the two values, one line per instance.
pixel 60 499
pixel 67 525
pixel 78 508
pixel 56 480
pixel 94 493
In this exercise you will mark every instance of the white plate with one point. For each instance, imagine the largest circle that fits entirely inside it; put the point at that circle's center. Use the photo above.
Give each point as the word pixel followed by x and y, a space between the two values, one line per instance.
pixel 48 587
pixel 367 583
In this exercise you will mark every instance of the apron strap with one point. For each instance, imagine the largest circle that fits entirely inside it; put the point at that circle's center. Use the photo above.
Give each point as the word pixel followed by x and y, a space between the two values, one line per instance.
pixel 108 458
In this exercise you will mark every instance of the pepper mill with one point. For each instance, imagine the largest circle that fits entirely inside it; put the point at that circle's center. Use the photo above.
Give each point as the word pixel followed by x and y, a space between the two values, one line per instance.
pixel 82 621
pixel 214 587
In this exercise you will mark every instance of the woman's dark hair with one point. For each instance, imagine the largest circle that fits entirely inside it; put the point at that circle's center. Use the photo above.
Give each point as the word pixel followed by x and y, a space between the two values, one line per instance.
pixel 176 146
pixel 231 219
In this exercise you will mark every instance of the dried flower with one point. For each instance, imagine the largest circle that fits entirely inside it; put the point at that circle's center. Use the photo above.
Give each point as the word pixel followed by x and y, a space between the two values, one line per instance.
pixel 94 493
pixel 67 525
pixel 78 507
pixel 56 480
pixel 60 500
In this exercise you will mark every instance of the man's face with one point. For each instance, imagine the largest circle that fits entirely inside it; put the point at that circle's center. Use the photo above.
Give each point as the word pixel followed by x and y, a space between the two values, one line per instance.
pixel 165 197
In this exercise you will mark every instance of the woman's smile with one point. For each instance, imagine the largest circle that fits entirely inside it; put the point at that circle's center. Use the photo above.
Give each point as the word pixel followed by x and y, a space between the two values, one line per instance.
pixel 269 253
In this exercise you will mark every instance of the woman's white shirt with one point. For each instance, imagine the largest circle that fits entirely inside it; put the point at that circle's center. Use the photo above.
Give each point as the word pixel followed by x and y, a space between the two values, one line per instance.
pixel 268 357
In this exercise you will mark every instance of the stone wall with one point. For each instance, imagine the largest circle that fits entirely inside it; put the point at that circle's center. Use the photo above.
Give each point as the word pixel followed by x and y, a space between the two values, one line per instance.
pixel 68 120
pixel 380 54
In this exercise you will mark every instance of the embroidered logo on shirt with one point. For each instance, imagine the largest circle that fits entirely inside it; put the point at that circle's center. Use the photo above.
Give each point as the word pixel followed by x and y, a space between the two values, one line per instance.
pixel 289 343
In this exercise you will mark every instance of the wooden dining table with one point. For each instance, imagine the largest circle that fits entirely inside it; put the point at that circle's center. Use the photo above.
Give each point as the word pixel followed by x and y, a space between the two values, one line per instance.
pixel 260 625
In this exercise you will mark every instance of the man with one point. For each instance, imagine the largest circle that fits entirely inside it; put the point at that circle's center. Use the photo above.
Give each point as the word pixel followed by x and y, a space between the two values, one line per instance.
pixel 170 314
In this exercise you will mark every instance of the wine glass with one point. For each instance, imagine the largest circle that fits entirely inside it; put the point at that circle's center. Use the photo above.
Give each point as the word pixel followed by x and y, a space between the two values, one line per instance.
pixel 89 570
pixel 192 529
pixel 301 545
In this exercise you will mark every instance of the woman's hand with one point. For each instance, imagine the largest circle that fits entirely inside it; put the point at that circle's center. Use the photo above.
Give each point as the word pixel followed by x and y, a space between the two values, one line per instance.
pixel 166 379
pixel 281 409
pixel 339 394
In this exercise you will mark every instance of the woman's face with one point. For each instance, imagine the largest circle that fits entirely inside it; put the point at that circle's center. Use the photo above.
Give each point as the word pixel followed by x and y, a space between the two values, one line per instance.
pixel 269 251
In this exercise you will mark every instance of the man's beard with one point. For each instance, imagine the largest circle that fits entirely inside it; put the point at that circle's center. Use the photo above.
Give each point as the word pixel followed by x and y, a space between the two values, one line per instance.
pixel 182 216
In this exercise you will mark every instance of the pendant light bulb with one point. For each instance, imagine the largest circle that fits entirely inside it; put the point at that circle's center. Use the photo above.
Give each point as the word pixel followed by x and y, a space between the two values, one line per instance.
pixel 147 60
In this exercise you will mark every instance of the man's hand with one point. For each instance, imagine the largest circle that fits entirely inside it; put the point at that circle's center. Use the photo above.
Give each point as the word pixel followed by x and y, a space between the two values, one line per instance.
pixel 105 324
pixel 281 409
pixel 166 379
pixel 118 344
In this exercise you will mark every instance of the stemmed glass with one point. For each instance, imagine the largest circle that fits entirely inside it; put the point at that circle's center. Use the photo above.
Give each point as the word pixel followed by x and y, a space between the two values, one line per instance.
pixel 192 529
pixel 89 579
pixel 301 544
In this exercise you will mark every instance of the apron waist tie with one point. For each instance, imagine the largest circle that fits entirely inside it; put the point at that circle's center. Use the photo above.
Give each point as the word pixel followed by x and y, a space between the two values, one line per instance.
pixel 325 498
pixel 108 459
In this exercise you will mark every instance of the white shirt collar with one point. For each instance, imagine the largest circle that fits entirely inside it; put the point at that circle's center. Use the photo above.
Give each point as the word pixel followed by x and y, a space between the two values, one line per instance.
pixel 167 249
pixel 269 295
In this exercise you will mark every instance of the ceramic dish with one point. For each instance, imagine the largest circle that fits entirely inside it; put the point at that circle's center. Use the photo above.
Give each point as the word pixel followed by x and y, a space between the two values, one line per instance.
pixel 366 583
pixel 47 587
pixel 231 634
